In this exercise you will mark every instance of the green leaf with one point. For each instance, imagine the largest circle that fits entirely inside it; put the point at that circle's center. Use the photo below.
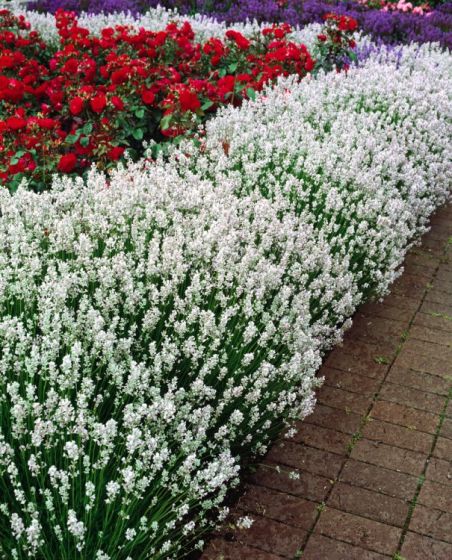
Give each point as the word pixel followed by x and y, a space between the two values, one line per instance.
pixel 222 72
pixel 233 67
pixel 73 138
pixel 206 105
pixel 16 157
pixel 138 134
pixel 139 113
pixel 251 93
pixel 84 141
pixel 165 122
pixel 87 128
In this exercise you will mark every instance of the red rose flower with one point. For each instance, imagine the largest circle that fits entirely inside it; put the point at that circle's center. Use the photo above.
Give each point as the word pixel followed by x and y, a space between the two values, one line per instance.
pixel 76 105
pixel 148 97
pixel 188 100
pixel 46 123
pixel 117 102
pixel 98 103
pixel 16 123
pixel 67 163
pixel 241 41
pixel 115 153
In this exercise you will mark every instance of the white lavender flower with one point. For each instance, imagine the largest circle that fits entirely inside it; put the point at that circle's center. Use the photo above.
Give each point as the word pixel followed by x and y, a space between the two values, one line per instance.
pixel 158 328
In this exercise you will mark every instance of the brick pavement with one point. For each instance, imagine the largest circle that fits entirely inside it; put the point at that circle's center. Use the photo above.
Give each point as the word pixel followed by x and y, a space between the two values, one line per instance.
pixel 374 460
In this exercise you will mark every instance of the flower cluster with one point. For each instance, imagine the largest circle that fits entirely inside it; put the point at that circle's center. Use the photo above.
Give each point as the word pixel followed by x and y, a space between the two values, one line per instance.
pixel 336 43
pixel 91 97
pixel 399 6
pixel 158 326
pixel 390 26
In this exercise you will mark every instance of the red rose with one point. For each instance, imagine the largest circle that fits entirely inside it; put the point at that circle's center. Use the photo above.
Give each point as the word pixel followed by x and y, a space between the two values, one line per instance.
pixel 115 153
pixel 321 37
pixel 67 163
pixel 352 24
pixel 16 123
pixel 309 64
pixel 188 100
pixel 76 105
pixel 98 103
pixel 117 102
pixel 119 76
pixel 48 124
pixel 241 41
pixel 148 97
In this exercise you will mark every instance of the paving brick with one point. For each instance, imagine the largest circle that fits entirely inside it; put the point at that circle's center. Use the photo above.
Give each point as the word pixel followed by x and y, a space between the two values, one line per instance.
pixel 359 531
pixel 423 260
pixel 398 436
pixel 367 503
pixel 278 506
pixel 433 322
pixel 448 411
pixel 401 302
pixel 382 335
pixel 444 285
pixel 307 485
pixel 399 311
pixel 432 522
pixel 343 400
pixel 356 364
pixel 443 276
pixel 321 547
pixel 412 398
pixel 267 535
pixel 401 460
pixel 219 549
pixel 438 296
pixel 436 495
pixel 413 360
pixel 443 449
pixel 433 246
pixel 446 428
pixel 439 470
pixel 366 351
pixel 419 270
pixel 428 349
pixel 418 380
pixel 440 235
pixel 431 335
pixel 348 381
pixel 417 547
pixel 405 416
pixel 322 438
pixel 430 307
pixel 379 479
pixel 410 284
pixel 333 418
pixel 306 458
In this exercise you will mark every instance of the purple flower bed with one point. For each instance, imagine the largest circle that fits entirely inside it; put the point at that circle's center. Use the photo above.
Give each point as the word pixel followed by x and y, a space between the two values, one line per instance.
pixel 387 27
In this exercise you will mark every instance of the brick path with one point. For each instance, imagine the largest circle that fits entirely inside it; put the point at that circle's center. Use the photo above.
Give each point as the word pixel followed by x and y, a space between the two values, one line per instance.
pixel 375 459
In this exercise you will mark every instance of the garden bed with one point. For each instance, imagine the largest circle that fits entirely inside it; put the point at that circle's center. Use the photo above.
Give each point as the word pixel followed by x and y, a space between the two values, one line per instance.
pixel 162 323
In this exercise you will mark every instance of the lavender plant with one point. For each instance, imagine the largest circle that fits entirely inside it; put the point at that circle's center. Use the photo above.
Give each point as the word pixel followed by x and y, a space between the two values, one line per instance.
pixel 159 327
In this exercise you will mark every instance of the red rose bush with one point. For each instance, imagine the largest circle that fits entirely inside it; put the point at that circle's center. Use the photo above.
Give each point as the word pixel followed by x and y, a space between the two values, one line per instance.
pixel 91 98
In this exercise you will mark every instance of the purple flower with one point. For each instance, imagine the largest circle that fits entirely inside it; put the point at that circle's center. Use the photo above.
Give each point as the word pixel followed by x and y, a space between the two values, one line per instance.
pixel 386 27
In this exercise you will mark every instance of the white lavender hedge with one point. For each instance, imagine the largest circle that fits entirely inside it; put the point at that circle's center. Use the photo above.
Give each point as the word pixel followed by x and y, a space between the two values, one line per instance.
pixel 158 328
